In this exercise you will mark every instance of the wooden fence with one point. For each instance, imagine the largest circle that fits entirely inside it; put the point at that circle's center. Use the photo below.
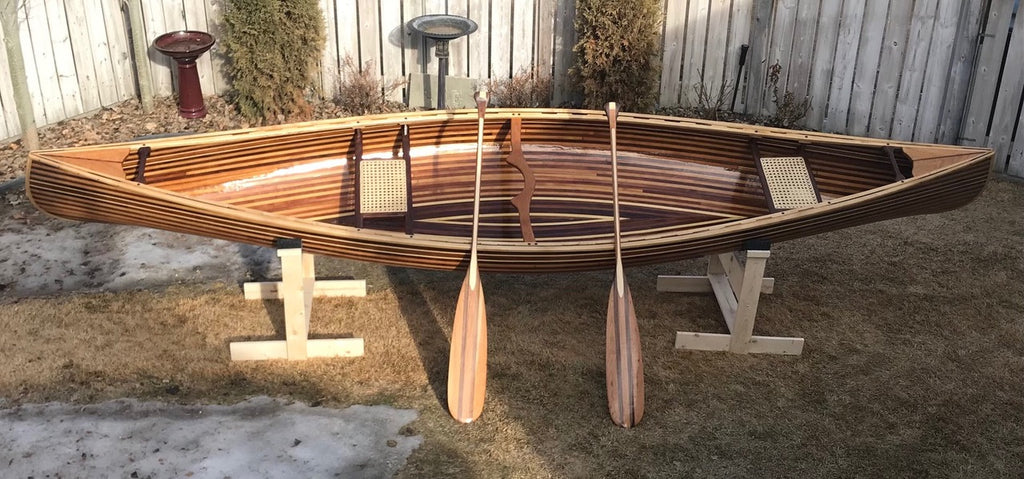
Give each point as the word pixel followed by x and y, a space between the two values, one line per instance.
pixel 923 70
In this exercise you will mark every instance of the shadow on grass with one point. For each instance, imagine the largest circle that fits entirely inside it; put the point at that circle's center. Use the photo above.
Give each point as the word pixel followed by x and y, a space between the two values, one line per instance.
pixel 425 327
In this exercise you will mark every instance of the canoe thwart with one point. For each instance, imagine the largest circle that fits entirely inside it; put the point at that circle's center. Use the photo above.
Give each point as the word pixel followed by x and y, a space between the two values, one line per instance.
pixel 737 286
pixel 891 153
pixel 297 288
pixel 522 200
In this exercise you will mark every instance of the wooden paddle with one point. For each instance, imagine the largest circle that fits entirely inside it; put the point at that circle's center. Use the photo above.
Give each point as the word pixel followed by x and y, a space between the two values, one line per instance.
pixel 467 363
pixel 624 368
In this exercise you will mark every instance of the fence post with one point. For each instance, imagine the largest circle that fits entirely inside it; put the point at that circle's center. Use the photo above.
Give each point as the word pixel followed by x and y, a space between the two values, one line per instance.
pixel 140 48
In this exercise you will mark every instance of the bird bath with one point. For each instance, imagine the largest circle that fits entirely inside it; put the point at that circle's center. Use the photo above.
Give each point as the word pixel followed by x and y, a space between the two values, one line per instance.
pixel 442 29
pixel 185 47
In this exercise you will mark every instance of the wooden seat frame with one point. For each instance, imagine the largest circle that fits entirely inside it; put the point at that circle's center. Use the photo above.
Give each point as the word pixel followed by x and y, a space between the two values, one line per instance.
pixel 360 182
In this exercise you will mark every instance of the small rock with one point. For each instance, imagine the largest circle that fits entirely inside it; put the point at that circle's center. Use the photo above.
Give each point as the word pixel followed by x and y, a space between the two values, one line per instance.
pixel 392 443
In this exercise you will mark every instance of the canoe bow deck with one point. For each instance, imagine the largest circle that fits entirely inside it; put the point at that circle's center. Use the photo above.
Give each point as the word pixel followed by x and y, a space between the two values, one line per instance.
pixel 687 187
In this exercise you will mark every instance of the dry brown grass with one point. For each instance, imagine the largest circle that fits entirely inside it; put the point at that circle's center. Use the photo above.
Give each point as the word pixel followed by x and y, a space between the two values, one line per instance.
pixel 913 364
pixel 362 90
pixel 528 88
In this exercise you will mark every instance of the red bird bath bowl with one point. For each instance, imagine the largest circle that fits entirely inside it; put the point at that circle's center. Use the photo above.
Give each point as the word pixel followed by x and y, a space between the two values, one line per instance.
pixel 185 47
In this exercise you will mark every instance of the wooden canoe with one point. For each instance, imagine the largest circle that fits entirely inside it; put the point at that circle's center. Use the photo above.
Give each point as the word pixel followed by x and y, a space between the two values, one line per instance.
pixel 687 187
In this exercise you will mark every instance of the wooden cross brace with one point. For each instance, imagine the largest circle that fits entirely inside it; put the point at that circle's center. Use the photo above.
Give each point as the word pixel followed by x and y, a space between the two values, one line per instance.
pixel 738 287
pixel 297 288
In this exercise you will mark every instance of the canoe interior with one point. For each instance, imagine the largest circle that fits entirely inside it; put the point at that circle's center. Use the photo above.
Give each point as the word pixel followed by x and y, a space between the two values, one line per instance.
pixel 667 178
pixel 687 188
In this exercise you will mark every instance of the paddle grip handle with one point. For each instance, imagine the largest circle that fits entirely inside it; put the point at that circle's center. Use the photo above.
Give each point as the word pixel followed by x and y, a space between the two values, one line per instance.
pixel 481 102
pixel 612 110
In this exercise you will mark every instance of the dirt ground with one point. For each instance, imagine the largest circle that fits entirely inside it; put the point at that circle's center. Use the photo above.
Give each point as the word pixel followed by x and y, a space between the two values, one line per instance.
pixel 912 367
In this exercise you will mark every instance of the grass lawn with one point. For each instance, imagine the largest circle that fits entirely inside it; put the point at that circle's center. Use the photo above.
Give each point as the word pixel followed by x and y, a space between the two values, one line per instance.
pixel 913 364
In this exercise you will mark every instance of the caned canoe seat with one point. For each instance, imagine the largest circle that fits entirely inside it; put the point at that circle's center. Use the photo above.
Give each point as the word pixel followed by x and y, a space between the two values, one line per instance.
pixel 383 187
pixel 787 181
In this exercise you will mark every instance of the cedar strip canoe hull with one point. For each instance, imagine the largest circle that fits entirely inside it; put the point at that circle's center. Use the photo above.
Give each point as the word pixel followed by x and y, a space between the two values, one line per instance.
pixel 687 188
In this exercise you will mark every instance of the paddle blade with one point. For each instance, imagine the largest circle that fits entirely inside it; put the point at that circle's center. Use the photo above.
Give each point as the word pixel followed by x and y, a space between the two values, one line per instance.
pixel 624 368
pixel 467 363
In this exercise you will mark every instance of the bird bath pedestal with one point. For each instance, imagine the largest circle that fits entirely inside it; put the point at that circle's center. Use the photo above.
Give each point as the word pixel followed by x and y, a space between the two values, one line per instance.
pixel 185 47
pixel 442 29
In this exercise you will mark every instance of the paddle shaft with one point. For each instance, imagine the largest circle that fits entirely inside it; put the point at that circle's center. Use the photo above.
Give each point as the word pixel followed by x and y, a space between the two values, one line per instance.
pixel 467 363
pixel 624 366
pixel 481 107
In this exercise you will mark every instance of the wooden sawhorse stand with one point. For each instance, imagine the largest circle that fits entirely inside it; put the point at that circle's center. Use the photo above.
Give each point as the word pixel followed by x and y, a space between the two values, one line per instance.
pixel 737 287
pixel 298 287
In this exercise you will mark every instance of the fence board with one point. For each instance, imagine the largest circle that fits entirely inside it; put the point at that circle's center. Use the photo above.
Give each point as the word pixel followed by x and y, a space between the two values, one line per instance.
pixel 330 65
pixel 890 67
pixel 544 39
pixel 120 50
pixel 963 63
pixel 915 62
pixel 757 57
pixel 392 31
pixel 80 44
pixel 673 37
pixel 9 123
pixel 1009 96
pixel 98 60
pixel 800 62
pixel 821 70
pixel 43 62
pixel 416 47
pixel 501 42
pixel 937 69
pixel 717 45
pixel 781 51
pixel 693 50
pixel 369 33
pixel 990 60
pixel 866 70
pixel 480 42
pixel 160 65
pixel 1015 167
pixel 523 14
pixel 739 35
pixel 347 34
pixel 565 40
pixel 843 67
pixel 458 65
pixel 64 58
pixel 215 26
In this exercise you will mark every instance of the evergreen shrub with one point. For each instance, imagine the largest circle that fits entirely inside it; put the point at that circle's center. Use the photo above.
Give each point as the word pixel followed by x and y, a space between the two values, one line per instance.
pixel 273 49
pixel 617 53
